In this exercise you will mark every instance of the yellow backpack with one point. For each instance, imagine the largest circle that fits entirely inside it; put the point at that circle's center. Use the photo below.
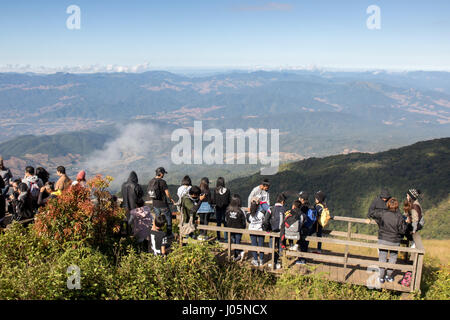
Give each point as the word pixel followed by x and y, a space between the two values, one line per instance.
pixel 324 216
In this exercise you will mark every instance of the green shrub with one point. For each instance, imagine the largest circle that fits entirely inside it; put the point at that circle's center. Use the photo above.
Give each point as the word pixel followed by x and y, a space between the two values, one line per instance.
pixel 435 283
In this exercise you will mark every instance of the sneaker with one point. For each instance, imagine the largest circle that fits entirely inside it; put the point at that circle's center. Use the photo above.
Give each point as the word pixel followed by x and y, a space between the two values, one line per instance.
pixel 242 255
pixel 380 280
pixel 236 259
pixel 413 245
pixel 388 279
pixel 294 248
pixel 260 262
pixel 200 237
pixel 300 261
pixel 278 266
pixel 255 263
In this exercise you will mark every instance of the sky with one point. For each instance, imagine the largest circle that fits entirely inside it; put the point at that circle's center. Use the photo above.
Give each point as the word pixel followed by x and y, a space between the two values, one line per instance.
pixel 136 35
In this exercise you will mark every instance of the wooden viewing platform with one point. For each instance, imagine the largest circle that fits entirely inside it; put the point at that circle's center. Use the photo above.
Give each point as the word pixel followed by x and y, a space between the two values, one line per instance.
pixel 344 267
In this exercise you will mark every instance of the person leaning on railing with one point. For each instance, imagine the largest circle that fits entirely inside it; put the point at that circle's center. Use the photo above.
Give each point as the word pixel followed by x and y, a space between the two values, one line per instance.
pixel 189 206
pixel 392 228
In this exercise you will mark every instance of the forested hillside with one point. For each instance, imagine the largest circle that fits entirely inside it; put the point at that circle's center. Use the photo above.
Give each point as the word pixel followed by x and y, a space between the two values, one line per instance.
pixel 352 181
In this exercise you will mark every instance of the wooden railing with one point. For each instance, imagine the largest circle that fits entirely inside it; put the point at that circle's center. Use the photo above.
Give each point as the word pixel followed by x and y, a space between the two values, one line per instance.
pixel 417 253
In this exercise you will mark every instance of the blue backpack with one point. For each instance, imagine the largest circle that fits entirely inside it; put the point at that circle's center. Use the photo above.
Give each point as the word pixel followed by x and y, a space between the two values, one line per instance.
pixel 311 218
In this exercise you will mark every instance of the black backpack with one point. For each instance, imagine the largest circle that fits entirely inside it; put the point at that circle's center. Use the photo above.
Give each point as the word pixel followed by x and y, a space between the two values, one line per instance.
pixel 154 190
pixel 267 224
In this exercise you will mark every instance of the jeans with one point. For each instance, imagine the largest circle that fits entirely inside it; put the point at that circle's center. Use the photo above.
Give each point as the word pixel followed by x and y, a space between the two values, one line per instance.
pixel 277 246
pixel 204 219
pixel 220 218
pixel 257 241
pixel 382 257
pixel 168 214
pixel 236 238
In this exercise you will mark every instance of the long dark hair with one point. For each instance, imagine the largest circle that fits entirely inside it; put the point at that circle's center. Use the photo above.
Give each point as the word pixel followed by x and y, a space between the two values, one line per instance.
pixel 42 174
pixel 254 207
pixel 220 183
pixel 186 181
pixel 204 185
pixel 235 204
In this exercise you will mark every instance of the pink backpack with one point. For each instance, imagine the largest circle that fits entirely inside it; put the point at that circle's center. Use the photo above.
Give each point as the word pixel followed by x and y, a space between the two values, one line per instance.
pixel 406 281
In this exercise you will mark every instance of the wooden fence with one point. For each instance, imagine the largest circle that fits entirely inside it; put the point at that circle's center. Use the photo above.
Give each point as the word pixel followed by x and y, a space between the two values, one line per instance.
pixel 332 237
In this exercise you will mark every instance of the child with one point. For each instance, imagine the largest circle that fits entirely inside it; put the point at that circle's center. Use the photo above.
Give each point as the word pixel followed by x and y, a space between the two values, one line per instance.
pixel 255 219
pixel 158 238
pixel 293 225
pixel 319 199
pixel 303 197
pixel 392 228
pixel 273 221
pixel 235 218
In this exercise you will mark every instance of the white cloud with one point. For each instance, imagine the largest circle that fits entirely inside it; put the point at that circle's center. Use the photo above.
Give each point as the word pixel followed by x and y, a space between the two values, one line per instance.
pixel 76 69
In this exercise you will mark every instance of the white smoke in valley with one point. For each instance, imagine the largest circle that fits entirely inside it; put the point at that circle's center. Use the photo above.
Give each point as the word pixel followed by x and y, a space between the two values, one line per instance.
pixel 138 147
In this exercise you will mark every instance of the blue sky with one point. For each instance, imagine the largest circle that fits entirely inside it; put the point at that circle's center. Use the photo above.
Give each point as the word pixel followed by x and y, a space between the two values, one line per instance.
pixel 246 33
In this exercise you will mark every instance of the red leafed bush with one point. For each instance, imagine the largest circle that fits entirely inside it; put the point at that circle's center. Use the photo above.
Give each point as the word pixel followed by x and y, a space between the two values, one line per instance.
pixel 82 214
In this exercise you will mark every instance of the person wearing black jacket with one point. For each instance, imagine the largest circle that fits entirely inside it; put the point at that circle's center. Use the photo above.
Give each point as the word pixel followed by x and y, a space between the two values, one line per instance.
pixel 392 228
pixel 273 221
pixel 132 193
pixel 221 198
pixel 23 205
pixel 303 197
pixel 235 218
pixel 379 203
pixel 45 194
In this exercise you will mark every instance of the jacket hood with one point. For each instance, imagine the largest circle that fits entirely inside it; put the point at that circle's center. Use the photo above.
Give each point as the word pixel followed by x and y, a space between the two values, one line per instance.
pixel 385 194
pixel 133 177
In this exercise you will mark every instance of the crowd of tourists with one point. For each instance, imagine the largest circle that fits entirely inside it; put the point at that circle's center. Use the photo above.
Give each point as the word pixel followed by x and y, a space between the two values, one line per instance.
pixel 152 226
pixel 294 223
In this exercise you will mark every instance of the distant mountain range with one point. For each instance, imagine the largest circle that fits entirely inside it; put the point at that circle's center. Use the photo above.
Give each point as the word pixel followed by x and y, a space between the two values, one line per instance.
pixel 117 122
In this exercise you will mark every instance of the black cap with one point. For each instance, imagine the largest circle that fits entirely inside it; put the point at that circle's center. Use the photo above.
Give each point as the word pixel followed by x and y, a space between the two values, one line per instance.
pixel 161 170
pixel 385 194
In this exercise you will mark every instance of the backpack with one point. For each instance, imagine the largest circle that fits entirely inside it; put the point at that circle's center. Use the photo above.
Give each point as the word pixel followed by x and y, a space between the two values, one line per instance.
pixel 311 218
pixel 34 190
pixel 267 224
pixel 154 190
pixel 324 216
pixel 292 232
pixel 406 281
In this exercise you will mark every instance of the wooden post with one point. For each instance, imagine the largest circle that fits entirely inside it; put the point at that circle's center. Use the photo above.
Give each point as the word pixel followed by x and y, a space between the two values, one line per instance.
pixel 273 252
pixel 414 272
pixel 349 237
pixel 229 245
pixel 418 271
